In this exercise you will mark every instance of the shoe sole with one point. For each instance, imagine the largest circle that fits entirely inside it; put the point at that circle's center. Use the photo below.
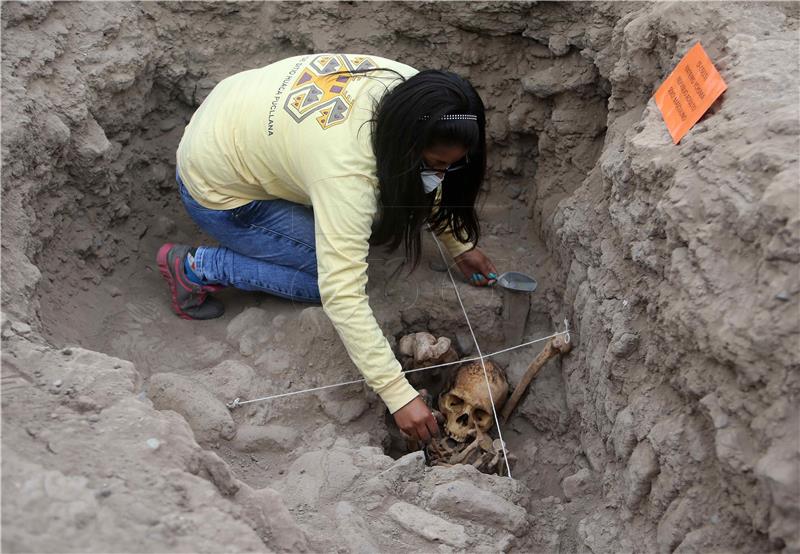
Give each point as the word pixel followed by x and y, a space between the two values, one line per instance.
pixel 163 267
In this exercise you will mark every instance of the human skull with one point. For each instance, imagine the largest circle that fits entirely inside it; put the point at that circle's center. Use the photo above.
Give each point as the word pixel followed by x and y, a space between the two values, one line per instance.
pixel 467 406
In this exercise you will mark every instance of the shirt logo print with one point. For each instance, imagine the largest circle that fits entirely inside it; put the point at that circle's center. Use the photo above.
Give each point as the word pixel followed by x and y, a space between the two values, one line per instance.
pixel 316 92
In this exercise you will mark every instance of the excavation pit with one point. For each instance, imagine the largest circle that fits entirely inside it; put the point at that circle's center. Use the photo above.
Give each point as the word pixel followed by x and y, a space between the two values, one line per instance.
pixel 658 421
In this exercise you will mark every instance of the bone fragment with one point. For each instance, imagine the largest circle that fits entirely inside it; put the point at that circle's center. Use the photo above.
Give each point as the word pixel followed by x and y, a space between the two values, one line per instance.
pixel 552 348
pixel 459 458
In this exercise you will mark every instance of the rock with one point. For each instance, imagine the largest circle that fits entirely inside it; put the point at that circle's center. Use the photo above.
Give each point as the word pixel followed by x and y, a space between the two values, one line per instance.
pixel 577 116
pixel 498 126
pixel 266 512
pixel 91 141
pixel 20 328
pixel 558 45
pixel 624 345
pixel 270 437
pixel 353 530
pixel 248 330
pixel 777 471
pixel 623 434
pixel 218 472
pixel 319 476
pixel 316 324
pixel 208 417
pixel 465 500
pixel 642 467
pixel 573 73
pixel 54 496
pixel 735 445
pixel 228 380
pixel 578 484
pixel 675 524
pixel 153 443
pixel 425 524
pixel 600 533
pixel 344 404
pixel 88 374
pixel 465 343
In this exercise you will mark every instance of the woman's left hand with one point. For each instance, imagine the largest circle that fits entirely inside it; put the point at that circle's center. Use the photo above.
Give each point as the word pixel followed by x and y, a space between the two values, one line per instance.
pixel 477 267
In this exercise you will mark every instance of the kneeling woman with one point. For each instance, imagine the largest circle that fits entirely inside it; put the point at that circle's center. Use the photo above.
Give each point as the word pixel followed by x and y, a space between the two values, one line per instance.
pixel 297 167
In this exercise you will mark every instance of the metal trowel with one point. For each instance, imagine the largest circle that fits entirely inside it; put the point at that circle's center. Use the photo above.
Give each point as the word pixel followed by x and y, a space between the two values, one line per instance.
pixel 517 282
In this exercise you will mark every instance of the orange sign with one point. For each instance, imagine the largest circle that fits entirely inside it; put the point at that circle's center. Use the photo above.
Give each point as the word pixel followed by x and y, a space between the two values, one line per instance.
pixel 688 92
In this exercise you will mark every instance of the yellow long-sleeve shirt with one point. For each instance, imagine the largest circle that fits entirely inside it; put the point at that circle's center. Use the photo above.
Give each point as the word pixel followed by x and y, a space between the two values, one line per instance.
pixel 291 130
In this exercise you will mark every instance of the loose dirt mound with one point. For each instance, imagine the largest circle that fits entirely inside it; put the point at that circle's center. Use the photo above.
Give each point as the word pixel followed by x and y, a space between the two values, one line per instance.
pixel 672 425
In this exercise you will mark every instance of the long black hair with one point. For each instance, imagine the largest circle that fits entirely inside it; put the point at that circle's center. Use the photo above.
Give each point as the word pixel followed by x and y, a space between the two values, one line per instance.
pixel 407 120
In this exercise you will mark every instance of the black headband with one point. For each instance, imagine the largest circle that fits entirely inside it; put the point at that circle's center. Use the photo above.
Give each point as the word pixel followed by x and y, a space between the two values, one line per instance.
pixel 453 117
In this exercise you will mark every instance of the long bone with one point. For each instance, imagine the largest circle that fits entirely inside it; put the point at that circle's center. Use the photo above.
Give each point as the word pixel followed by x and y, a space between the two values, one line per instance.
pixel 552 348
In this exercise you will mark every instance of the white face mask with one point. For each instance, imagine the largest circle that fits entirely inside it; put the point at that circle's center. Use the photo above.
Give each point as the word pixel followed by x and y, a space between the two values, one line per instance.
pixel 430 181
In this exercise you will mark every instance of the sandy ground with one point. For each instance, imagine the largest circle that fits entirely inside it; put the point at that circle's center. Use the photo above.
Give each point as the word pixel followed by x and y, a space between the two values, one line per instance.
pixel 671 427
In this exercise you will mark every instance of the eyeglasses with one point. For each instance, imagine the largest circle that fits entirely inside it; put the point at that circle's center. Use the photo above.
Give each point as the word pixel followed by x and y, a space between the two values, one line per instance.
pixel 461 164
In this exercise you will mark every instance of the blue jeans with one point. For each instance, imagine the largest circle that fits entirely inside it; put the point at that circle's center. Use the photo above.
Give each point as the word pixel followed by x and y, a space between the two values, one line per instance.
pixel 266 245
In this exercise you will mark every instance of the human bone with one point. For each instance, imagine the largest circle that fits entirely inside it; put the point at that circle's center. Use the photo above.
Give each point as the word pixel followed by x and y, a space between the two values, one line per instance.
pixel 424 347
pixel 467 407
pixel 483 453
pixel 554 347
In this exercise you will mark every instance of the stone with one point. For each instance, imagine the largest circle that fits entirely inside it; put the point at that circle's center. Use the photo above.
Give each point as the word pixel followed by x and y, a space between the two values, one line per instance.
pixel 675 524
pixel 600 532
pixel 248 330
pixel 406 467
pixel 343 405
pixel 735 445
pixel 624 345
pixel 558 45
pixel 465 343
pixel 558 78
pixel 319 476
pixel 270 437
pixel 91 141
pixel 208 417
pixel 623 434
pixel 427 525
pixel 20 328
pixel 465 500
pixel 778 471
pixel 228 380
pixel 642 467
pixel 353 530
pixel 218 472
pixel 578 484
pixel 266 512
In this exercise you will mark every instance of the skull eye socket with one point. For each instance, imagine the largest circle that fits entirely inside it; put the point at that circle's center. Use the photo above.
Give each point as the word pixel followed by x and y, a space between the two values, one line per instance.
pixel 481 416
pixel 454 401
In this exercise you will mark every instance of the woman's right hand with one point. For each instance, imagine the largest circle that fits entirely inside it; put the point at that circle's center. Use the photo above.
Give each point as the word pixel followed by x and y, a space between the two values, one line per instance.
pixel 416 420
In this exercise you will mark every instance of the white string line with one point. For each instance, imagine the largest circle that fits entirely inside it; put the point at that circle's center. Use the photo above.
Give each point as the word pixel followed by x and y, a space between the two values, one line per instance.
pixel 238 402
pixel 478 348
